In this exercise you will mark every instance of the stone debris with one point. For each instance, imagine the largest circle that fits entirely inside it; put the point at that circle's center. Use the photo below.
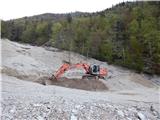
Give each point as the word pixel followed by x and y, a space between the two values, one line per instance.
pixel 72 110
pixel 40 118
pixel 141 116
pixel 73 117
pixel 119 112
pixel 37 105
pixel 13 110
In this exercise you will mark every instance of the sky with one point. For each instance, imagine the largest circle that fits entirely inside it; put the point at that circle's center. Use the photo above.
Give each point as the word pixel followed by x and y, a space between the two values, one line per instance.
pixel 11 9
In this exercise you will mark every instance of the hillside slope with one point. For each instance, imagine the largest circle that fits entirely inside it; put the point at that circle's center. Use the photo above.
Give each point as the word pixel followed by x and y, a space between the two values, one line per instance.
pixel 130 95
pixel 127 34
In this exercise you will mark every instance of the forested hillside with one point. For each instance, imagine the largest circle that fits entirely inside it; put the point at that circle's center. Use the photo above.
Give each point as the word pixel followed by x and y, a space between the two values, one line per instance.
pixel 127 34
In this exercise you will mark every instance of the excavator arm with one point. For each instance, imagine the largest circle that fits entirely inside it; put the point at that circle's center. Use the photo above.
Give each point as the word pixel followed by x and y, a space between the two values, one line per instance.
pixel 61 70
pixel 66 67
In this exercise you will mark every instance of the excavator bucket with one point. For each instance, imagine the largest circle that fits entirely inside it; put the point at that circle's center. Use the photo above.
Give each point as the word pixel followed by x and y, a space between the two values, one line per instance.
pixel 53 78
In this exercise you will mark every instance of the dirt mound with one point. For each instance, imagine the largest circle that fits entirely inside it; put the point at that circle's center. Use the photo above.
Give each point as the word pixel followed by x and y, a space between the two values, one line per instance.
pixel 84 84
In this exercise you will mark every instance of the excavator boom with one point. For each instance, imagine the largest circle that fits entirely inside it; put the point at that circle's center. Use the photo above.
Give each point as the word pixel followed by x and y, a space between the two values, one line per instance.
pixel 61 70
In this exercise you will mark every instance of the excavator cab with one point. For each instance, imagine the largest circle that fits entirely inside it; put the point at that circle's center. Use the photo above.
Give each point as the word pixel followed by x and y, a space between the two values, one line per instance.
pixel 94 69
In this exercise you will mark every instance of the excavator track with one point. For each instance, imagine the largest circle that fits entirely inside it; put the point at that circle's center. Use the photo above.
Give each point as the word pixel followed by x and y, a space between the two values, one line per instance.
pixel 90 77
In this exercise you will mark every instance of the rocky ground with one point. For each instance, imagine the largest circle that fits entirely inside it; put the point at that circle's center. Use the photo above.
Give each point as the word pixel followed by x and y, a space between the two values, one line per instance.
pixel 129 96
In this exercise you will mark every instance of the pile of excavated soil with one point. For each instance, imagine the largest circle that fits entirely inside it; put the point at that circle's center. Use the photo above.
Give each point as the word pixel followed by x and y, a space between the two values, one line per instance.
pixel 84 84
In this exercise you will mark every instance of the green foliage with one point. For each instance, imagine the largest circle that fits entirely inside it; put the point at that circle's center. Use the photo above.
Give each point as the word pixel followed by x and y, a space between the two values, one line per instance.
pixel 136 51
pixel 29 34
pixel 42 32
pixel 69 18
pixel 127 34
pixel 3 29
pixel 56 27
pixel 106 51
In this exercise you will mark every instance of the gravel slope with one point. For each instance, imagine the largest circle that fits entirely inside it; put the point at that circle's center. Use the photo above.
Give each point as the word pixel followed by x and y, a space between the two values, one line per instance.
pixel 130 95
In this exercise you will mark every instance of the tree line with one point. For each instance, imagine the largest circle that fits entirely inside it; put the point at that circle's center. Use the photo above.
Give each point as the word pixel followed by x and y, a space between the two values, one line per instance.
pixel 127 34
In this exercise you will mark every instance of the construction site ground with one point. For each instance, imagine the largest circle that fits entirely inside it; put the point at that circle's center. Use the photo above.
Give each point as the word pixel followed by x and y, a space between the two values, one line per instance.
pixel 123 95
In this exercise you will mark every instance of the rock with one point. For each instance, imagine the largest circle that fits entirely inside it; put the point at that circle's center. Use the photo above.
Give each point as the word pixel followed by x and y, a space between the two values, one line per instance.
pixel 154 112
pixel 120 113
pixel 74 114
pixel 73 117
pixel 137 108
pixel 40 118
pixel 151 108
pixel 128 118
pixel 12 110
pixel 37 105
pixel 78 106
pixel 141 116
pixel 74 111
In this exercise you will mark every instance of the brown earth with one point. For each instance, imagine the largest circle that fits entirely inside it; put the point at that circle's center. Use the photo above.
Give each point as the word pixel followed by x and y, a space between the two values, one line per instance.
pixel 84 84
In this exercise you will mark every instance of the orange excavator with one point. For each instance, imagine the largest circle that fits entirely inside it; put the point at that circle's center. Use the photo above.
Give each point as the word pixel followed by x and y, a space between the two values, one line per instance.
pixel 90 70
